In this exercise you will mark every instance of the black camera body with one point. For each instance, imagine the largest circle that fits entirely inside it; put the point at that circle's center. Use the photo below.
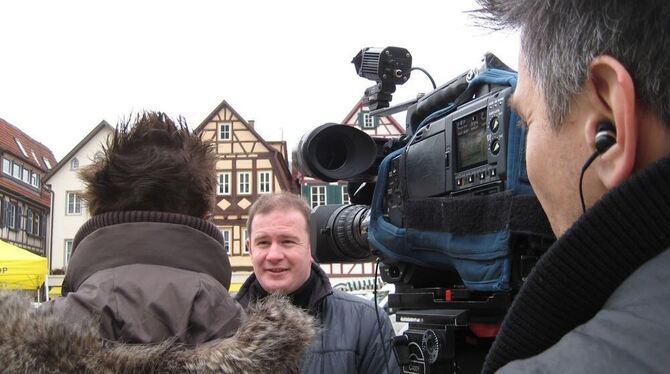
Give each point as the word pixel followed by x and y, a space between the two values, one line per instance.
pixel 447 209
pixel 464 152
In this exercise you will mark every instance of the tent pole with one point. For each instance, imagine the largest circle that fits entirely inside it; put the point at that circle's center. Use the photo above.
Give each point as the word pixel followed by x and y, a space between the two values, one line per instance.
pixel 46 287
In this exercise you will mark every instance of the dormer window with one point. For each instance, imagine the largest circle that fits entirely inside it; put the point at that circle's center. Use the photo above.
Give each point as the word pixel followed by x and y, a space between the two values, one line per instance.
pixel 74 164
pixel 46 162
pixel 35 157
pixel 23 150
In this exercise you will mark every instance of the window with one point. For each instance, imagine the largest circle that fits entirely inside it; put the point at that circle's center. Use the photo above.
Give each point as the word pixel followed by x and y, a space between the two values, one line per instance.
pixel 37 220
pixel 74 164
pixel 17 171
pixel 29 221
pixel 224 131
pixel 318 196
pixel 368 121
pixel 23 150
pixel 243 183
pixel 26 177
pixel 21 173
pixel 264 178
pixel 6 166
pixel 73 203
pixel 223 186
pixel 19 217
pixel 226 240
pixel 345 195
pixel 35 157
pixel 245 236
pixel 67 249
pixel 46 162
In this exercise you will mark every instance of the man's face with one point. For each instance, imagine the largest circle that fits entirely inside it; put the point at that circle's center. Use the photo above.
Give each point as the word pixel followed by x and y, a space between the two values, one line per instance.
pixel 280 251
pixel 553 158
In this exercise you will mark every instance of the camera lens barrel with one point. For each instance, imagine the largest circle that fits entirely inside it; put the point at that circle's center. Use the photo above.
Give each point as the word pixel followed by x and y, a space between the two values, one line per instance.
pixel 339 233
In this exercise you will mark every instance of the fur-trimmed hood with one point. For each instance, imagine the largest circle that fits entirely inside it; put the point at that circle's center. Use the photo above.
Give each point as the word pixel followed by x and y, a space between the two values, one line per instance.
pixel 271 340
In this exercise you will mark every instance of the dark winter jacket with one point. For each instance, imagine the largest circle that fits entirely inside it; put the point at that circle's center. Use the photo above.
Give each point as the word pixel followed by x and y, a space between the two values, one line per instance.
pixel 147 292
pixel 149 276
pixel 271 340
pixel 598 301
pixel 350 338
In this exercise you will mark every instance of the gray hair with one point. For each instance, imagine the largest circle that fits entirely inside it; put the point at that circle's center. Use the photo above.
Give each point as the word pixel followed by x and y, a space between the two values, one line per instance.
pixel 560 38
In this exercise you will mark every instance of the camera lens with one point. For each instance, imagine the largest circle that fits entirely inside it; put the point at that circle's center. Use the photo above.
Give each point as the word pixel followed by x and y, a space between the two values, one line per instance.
pixel 339 233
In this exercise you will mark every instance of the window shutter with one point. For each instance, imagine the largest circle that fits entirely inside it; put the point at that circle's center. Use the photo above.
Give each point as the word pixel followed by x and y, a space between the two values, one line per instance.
pixel 375 121
pixel 2 213
pixel 6 215
pixel 361 122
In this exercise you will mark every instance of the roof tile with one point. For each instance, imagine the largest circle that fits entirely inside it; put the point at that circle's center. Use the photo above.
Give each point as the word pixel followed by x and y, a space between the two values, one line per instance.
pixel 8 135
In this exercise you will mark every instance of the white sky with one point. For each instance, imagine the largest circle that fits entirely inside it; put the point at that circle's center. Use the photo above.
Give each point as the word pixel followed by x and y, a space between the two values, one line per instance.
pixel 67 65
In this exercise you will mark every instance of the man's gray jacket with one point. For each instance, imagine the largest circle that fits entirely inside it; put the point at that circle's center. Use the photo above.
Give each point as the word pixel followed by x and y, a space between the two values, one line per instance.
pixel 598 301
pixel 631 334
pixel 349 341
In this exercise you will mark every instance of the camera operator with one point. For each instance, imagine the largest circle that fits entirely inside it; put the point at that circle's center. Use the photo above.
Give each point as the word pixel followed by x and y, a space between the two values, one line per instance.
pixel 146 287
pixel 593 90
pixel 279 245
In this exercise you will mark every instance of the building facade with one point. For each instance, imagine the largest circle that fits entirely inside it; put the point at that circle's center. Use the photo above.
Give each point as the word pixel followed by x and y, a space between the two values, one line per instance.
pixel 247 166
pixel 24 201
pixel 68 211
pixel 318 192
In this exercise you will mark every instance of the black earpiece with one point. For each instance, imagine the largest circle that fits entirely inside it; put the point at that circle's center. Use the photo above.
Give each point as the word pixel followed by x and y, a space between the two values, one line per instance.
pixel 605 137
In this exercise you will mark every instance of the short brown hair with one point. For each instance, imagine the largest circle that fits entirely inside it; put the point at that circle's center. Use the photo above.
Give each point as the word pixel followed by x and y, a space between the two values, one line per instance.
pixel 154 164
pixel 279 201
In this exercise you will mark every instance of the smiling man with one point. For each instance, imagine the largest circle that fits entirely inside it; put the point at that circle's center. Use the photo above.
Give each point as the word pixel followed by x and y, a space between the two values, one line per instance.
pixel 279 245
pixel 593 90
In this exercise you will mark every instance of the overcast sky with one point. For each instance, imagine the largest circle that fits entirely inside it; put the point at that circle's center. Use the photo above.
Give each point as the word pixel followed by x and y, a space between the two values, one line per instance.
pixel 67 65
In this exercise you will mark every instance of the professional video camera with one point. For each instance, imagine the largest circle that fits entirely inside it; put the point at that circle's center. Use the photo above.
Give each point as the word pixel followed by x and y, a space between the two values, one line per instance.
pixel 447 208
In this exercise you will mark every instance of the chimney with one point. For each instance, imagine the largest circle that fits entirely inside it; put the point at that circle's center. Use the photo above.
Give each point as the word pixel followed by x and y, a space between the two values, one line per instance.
pixel 252 123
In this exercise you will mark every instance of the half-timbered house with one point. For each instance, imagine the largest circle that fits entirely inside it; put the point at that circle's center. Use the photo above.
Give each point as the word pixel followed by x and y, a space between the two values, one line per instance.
pixel 24 202
pixel 247 167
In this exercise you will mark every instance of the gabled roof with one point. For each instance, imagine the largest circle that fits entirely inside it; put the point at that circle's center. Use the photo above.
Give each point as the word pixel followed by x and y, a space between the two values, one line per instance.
pixel 9 134
pixel 359 106
pixel 224 104
pixel 279 157
pixel 103 124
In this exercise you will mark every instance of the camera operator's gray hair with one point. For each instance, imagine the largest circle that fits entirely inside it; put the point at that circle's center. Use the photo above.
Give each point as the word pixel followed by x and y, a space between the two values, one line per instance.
pixel 560 38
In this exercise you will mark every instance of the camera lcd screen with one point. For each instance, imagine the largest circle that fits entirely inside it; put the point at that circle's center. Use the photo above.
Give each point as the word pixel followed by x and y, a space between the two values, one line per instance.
pixel 471 140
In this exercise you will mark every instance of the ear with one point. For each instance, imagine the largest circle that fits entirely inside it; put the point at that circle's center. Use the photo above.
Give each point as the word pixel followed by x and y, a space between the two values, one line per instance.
pixel 613 95
pixel 248 244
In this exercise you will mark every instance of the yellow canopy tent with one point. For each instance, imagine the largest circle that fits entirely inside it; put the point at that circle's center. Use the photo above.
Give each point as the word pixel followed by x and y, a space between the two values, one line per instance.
pixel 20 269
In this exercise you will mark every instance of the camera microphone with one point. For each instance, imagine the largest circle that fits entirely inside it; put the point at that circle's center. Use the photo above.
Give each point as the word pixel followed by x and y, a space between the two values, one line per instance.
pixel 605 138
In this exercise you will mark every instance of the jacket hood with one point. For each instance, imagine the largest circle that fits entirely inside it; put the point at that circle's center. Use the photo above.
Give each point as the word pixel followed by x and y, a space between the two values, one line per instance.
pixel 271 340
pixel 167 239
